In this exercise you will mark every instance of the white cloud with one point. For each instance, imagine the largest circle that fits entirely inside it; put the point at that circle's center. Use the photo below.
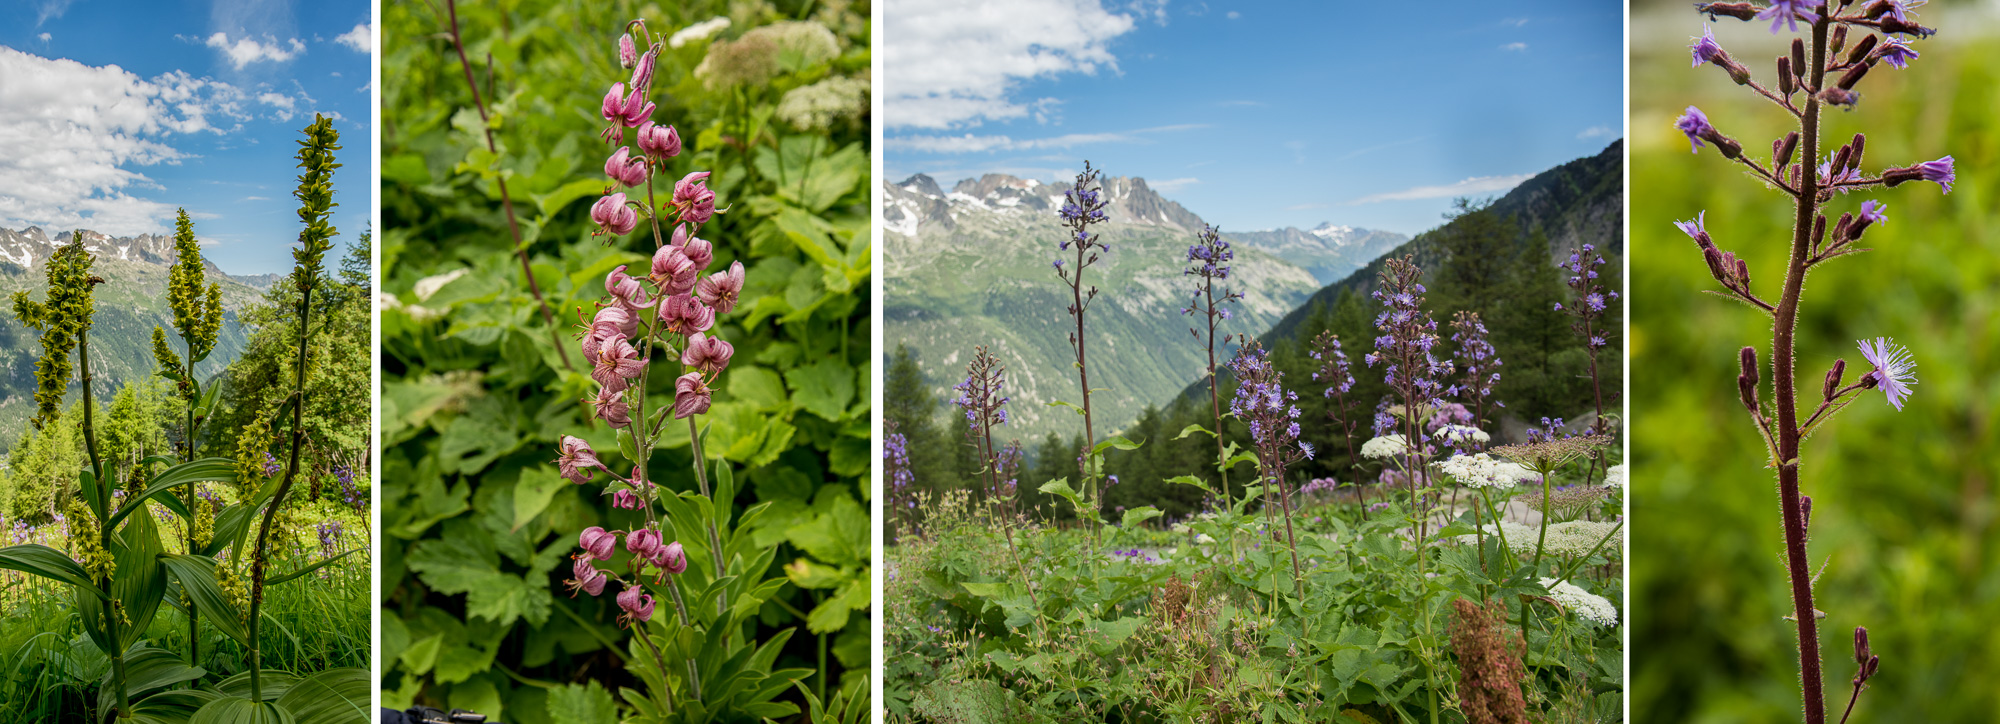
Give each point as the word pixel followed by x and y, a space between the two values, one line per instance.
pixel 958 62
pixel 50 9
pixel 246 50
pixel 1173 184
pixel 78 132
pixel 358 38
pixel 1234 15
pixel 970 143
pixel 1595 132
pixel 45 37
pixel 1514 22
pixel 1476 185
pixel 1517 47
pixel 282 106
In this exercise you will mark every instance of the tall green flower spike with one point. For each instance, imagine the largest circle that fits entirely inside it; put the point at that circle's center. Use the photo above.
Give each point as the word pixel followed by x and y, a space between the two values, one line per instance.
pixel 197 312
pixel 62 320
pixel 315 195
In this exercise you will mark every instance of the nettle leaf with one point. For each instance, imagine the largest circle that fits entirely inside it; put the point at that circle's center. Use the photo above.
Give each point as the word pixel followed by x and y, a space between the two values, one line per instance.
pixel 466 561
pixel 756 386
pixel 587 703
pixel 538 486
pixel 809 172
pixel 838 531
pixel 822 388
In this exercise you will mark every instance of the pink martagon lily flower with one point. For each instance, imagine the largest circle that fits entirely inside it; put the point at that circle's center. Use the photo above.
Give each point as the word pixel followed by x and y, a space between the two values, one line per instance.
pixel 691 396
pixel 708 354
pixel 720 291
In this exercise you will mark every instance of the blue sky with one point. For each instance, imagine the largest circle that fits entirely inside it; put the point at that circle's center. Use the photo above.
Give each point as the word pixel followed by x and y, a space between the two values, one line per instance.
pixel 1256 115
pixel 113 114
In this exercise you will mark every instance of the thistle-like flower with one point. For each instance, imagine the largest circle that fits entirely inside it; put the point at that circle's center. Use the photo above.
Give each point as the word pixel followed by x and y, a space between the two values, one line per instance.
pixel 1894 371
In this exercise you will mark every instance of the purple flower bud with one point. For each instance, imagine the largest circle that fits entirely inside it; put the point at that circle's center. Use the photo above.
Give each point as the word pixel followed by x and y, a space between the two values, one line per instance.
pixel 626 499
pixel 587 578
pixel 628 55
pixel 671 559
pixel 637 604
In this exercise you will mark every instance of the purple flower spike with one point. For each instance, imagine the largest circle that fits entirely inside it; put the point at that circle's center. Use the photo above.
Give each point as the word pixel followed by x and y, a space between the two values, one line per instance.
pixel 1896 52
pixel 1705 49
pixel 1872 211
pixel 1694 123
pixel 1894 370
pixel 1789 13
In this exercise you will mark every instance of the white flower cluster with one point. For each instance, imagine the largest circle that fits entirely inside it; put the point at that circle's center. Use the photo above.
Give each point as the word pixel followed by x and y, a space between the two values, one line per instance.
pixel 1385 446
pixel 817 106
pixel 1586 605
pixel 1615 477
pixel 1462 433
pixel 1485 471
pixel 1520 538
pixel 1575 538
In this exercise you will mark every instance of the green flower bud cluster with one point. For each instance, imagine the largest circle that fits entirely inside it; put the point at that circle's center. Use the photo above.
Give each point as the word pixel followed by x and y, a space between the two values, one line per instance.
pixel 197 311
pixel 204 521
pixel 235 590
pixel 315 195
pixel 84 544
pixel 251 445
pixel 62 320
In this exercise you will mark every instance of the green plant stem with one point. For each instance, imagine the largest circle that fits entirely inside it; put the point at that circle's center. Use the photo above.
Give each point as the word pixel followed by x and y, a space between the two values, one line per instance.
pixel 258 559
pixel 103 531
pixel 721 507
pixel 680 606
pixel 1544 539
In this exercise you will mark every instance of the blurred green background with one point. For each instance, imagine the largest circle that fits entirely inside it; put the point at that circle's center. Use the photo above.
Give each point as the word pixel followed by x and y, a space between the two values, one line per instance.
pixel 1903 502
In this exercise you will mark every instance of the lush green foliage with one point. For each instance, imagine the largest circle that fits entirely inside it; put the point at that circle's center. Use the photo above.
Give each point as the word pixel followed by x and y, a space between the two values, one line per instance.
pixel 478 385
pixel 1901 517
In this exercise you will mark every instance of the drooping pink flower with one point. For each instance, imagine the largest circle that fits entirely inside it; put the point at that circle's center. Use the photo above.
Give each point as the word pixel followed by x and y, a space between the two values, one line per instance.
pixel 644 543
pixel 698 251
pixel 673 272
pixel 636 109
pixel 576 459
pixel 587 578
pixel 719 291
pixel 625 169
pixel 610 406
pixel 626 290
pixel 637 604
pixel 613 109
pixel 691 397
pixel 617 361
pixel 598 543
pixel 693 198
pixel 614 216
pixel 612 322
pixel 684 315
pixel 708 354
pixel 672 559
pixel 659 141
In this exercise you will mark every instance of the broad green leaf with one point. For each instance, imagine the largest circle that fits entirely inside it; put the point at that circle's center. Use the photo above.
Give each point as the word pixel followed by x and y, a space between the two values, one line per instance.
pixel 146 670
pixel 823 388
pixel 1134 517
pixel 196 575
pixel 241 710
pixel 141 582
pixel 321 563
pixel 532 494
pixel 1190 480
pixel 48 563
pixel 582 704
pixel 1192 429
pixel 334 696
pixel 221 470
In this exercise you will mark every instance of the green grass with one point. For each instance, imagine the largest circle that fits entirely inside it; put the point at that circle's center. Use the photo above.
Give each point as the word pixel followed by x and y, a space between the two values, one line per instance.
pixel 1903 502
pixel 49 671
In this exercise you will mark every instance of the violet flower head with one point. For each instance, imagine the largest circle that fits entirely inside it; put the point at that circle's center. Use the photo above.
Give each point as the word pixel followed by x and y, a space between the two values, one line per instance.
pixel 1872 211
pixel 1335 371
pixel 720 291
pixel 1694 124
pixel 693 198
pixel 1938 172
pixel 896 462
pixel 644 542
pixel 979 395
pixel 672 271
pixel 609 405
pixel 697 250
pixel 691 396
pixel 597 543
pixel 587 578
pixel 684 315
pixel 617 362
pixel 1894 371
pixel 1789 13
pixel 1270 410
pixel 1694 229
pixel 1705 48
pixel 1896 52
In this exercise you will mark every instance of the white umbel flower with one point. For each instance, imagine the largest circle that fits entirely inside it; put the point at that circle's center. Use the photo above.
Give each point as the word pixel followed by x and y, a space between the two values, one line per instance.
pixel 1615 477
pixel 1484 471
pixel 1586 605
pixel 1576 538
pixel 1385 446
pixel 698 31
pixel 1462 433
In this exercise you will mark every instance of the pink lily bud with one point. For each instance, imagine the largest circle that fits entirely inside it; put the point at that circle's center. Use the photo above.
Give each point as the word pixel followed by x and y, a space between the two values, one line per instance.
pixel 691 397
pixel 637 604
pixel 644 542
pixel 624 169
pixel 611 213
pixel 617 362
pixel 610 406
pixel 660 142
pixel 588 579
pixel 673 271
pixel 720 291
pixel 626 290
pixel 625 499
pixel 576 459
pixel 642 70
pixel 627 54
pixel 692 196
pixel 672 559
pixel 598 543
pixel 684 315
pixel 708 354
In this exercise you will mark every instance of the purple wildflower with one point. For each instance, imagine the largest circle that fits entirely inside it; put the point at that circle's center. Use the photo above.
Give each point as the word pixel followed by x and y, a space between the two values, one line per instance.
pixel 1694 123
pixel 1896 52
pixel 1705 49
pixel 1894 370
pixel 1789 13
pixel 1871 210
